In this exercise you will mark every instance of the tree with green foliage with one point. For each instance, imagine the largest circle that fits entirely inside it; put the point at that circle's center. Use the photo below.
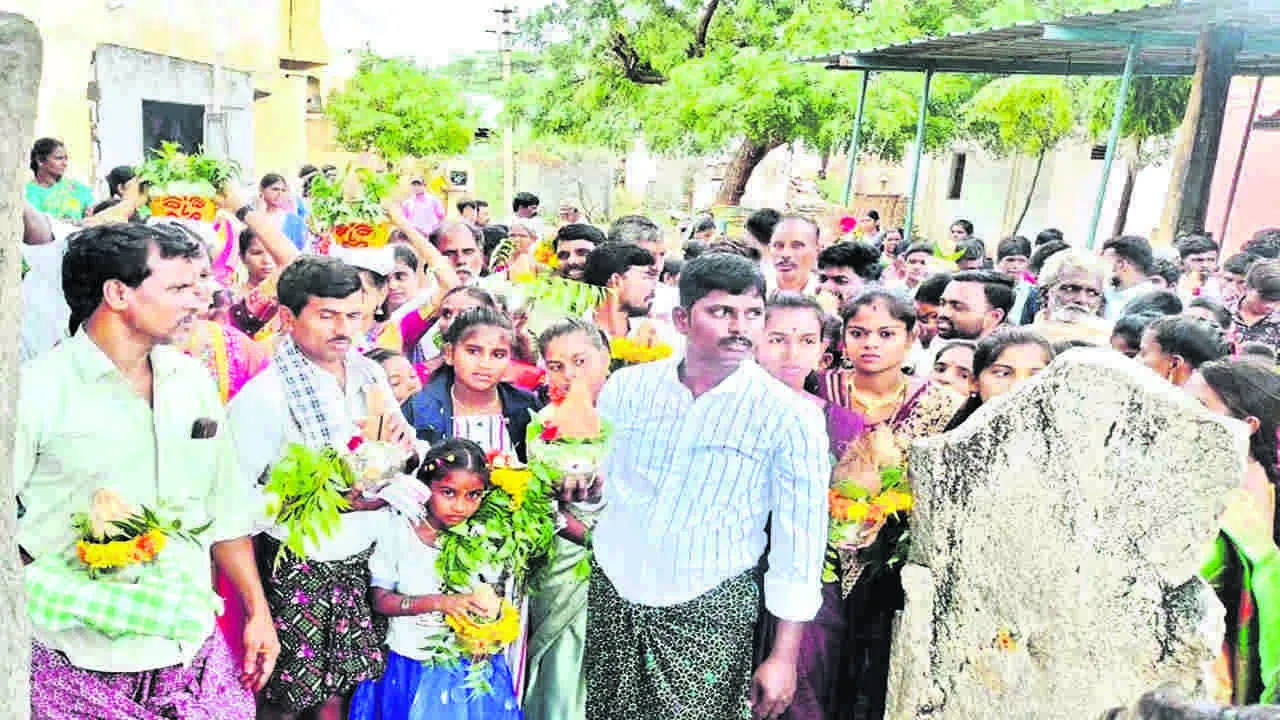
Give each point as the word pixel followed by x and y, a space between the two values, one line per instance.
pixel 1153 111
pixel 1022 115
pixel 706 76
pixel 392 107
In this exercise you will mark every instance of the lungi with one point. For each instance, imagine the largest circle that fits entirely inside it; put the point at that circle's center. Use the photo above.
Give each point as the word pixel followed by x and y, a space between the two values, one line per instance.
pixel 206 689
pixel 330 639
pixel 691 661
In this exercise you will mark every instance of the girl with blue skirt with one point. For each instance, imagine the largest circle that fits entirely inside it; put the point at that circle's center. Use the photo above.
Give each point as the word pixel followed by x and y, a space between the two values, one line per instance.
pixel 407 588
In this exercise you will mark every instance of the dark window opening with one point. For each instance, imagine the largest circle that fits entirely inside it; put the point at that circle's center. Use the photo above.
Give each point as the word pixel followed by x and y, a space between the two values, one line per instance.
pixel 1098 152
pixel 172 122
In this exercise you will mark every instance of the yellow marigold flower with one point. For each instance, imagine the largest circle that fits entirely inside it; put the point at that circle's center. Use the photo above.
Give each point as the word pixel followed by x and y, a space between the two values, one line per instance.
pixel 545 254
pixel 630 351
pixel 514 482
pixel 478 638
pixel 895 501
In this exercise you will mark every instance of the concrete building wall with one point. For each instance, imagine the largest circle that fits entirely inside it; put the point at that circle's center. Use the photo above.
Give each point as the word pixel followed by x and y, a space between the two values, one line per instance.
pixel 994 190
pixel 127 77
pixel 1254 206
pixel 73 29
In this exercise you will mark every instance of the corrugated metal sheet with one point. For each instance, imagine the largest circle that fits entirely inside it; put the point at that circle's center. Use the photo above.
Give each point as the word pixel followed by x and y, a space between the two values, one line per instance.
pixel 1023 48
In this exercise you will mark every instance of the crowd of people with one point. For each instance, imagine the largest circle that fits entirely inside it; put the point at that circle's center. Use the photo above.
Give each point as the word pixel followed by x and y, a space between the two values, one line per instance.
pixel 177 361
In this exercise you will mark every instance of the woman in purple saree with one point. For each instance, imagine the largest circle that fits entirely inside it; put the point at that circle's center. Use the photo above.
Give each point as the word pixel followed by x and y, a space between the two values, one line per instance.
pixel 878 330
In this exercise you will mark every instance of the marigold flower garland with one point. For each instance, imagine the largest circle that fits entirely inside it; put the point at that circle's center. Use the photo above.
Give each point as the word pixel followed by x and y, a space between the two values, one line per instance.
pixel 113 536
pixel 858 513
pixel 513 527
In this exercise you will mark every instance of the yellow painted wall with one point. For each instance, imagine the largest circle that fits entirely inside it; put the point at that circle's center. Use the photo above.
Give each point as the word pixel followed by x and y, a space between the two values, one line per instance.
pixel 279 130
pixel 301 39
pixel 244 34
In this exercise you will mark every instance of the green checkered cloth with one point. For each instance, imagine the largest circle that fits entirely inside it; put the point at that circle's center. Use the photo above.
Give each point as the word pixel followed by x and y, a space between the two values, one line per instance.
pixel 163 601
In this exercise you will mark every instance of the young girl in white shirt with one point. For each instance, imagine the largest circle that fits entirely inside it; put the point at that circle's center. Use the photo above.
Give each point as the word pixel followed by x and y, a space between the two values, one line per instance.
pixel 407 588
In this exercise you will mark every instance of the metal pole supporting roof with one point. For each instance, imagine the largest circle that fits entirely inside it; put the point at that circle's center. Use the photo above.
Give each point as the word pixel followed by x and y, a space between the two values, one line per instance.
pixel 1117 120
pixel 853 142
pixel 918 153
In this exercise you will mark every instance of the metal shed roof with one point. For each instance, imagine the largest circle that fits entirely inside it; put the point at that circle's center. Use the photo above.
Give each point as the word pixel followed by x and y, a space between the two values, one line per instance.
pixel 1089 44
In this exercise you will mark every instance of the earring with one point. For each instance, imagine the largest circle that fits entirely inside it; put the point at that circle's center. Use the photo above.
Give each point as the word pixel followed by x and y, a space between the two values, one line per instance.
pixel 846 363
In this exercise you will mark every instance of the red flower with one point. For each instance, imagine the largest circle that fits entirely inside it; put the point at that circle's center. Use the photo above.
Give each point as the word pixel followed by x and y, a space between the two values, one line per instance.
pixel 848 224
pixel 550 433
pixel 557 395
pixel 355 442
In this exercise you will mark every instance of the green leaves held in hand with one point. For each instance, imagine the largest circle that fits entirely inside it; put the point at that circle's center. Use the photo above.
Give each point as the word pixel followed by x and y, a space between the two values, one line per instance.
pixel 310 489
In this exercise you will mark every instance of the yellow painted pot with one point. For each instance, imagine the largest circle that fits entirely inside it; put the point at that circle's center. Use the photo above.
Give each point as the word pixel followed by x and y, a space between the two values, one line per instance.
pixel 190 207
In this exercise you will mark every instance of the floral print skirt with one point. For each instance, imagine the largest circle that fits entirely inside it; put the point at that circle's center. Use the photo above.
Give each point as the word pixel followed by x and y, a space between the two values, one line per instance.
pixel 330 639
pixel 207 688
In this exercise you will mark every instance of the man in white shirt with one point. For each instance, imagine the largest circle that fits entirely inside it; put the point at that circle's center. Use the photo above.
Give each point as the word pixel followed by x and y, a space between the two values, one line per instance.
pixel 316 393
pixel 1132 262
pixel 706 448
pixel 794 251
pixel 116 407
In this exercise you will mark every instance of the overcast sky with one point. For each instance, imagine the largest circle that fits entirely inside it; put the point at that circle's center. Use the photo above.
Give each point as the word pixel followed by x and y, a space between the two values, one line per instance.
pixel 430 30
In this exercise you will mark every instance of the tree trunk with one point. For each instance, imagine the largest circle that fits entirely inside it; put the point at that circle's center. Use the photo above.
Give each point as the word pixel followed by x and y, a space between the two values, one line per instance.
pixel 745 159
pixel 20 58
pixel 1126 196
pixel 1035 179
pixel 826 160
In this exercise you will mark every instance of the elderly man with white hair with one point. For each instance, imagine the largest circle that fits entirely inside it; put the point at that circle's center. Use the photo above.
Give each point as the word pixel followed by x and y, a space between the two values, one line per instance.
pixel 1072 293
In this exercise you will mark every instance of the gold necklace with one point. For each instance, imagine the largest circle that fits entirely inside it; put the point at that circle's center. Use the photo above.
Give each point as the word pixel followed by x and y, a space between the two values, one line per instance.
pixel 872 405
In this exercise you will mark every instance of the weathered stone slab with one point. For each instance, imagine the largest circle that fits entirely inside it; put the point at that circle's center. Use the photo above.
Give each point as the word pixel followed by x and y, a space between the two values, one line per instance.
pixel 1054 548
pixel 20 58
pixel 1167 703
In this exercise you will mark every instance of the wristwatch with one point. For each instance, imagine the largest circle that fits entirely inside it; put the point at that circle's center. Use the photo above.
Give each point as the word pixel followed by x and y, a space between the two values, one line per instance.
pixel 244 212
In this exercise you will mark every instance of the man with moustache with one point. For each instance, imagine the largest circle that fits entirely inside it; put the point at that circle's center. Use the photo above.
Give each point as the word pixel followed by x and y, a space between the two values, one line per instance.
pixel 317 392
pixel 573 243
pixel 706 448
pixel 1072 287
pixel 794 252
pixel 975 303
pixel 461 243
pixel 117 407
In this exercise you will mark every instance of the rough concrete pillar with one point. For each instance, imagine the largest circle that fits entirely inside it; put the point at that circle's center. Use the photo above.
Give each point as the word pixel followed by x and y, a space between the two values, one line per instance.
pixel 20 59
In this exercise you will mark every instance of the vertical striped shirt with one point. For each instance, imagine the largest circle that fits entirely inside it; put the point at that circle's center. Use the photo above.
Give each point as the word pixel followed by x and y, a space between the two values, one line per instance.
pixel 690 483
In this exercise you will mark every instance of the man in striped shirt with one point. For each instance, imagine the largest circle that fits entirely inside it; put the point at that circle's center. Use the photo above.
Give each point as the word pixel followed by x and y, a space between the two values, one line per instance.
pixel 705 448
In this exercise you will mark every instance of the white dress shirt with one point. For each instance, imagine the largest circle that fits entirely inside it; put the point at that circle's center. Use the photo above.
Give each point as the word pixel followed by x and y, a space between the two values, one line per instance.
pixel 690 483
pixel 263 429
pixel 1117 300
